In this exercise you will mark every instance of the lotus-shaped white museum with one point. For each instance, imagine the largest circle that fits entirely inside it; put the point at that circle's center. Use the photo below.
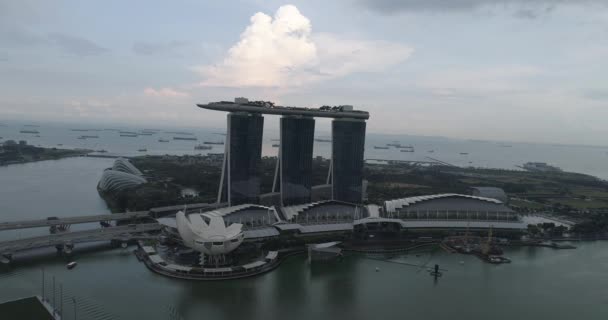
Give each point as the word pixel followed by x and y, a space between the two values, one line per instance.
pixel 208 233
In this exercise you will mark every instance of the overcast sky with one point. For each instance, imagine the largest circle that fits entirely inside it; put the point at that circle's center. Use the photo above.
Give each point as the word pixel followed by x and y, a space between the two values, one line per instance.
pixel 493 69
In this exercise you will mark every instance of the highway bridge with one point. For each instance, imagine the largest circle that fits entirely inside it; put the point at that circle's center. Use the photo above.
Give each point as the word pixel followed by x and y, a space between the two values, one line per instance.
pixel 122 233
pixel 64 240
pixel 49 222
pixel 126 216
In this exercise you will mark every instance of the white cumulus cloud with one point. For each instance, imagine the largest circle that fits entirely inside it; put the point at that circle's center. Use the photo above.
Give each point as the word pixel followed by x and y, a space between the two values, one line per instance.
pixel 282 51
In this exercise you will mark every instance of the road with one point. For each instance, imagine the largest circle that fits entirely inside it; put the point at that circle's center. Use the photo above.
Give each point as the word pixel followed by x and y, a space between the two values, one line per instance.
pixel 123 233
pixel 12 225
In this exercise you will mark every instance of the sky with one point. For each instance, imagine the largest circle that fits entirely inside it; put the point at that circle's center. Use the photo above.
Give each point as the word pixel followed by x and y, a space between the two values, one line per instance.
pixel 513 70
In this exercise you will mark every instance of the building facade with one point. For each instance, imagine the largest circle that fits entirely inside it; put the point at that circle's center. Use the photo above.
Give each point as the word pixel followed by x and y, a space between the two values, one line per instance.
pixel 348 147
pixel 242 157
pixel 297 139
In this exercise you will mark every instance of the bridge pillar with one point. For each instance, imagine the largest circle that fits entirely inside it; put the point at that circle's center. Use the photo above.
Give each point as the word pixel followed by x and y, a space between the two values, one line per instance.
pixel 6 258
pixel 68 248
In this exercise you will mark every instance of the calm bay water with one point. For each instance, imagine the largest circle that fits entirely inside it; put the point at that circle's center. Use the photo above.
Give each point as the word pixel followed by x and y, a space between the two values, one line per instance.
pixel 112 284
pixel 506 155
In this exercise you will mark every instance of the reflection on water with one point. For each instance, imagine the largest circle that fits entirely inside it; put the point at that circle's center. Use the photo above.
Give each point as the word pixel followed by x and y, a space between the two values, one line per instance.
pixel 539 283
pixel 547 282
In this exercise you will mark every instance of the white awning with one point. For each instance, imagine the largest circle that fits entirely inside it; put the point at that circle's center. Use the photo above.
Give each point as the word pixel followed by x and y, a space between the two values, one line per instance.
pixel 253 265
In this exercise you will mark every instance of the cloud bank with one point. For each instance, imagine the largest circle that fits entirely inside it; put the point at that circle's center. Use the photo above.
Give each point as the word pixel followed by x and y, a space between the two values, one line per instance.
pixel 527 8
pixel 282 51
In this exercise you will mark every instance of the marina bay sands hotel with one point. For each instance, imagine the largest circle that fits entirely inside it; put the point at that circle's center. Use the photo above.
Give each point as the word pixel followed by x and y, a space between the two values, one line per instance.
pixel 240 181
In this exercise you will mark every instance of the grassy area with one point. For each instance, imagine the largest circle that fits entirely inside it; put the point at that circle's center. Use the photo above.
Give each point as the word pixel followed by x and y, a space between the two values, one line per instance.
pixel 527 204
pixel 582 204
pixel 561 191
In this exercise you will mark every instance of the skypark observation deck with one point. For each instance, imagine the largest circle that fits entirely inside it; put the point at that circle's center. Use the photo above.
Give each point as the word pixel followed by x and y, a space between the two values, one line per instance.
pixel 250 107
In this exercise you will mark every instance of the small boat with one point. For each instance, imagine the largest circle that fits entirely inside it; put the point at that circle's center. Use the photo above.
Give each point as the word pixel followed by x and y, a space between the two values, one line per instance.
pixel 128 135
pixel 29 131
pixel 214 142
pixel 431 151
pixel 185 138
pixel 407 150
pixel 379 147
pixel 142 150
pixel 163 140
pixel 202 147
pixel 71 265
pixel 464 153
pixel 101 151
pixel 276 145
pixel 322 140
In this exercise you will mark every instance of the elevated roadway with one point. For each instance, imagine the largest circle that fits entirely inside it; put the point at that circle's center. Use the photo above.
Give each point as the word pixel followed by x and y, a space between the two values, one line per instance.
pixel 24 224
pixel 122 233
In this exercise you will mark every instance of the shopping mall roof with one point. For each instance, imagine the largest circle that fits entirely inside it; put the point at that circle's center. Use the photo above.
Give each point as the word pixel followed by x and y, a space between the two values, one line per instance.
pixel 446 201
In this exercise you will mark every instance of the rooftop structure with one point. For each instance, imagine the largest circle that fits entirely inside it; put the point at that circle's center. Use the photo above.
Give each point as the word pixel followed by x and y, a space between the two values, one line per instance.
pixel 324 212
pixel 123 175
pixel 249 215
pixel 124 165
pixel 264 107
pixel 448 206
pixel 208 233
pixel 491 192
pixel 240 180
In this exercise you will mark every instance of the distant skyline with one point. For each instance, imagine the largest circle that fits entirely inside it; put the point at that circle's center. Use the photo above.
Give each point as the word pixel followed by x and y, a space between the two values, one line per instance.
pixel 510 70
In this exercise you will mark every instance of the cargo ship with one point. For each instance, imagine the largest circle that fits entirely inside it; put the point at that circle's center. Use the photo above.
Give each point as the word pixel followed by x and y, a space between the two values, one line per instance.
pixel 29 131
